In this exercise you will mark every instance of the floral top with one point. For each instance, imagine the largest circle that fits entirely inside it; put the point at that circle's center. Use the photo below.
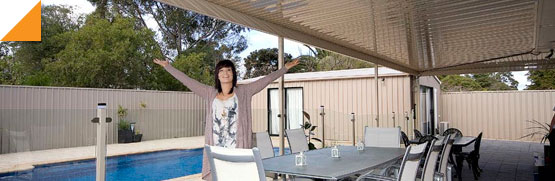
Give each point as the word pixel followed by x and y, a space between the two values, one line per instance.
pixel 224 117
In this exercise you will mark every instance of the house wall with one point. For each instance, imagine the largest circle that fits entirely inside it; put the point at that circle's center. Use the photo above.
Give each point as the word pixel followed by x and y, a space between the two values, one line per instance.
pixel 341 97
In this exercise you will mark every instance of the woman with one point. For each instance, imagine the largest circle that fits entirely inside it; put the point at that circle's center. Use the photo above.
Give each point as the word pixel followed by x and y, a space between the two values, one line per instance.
pixel 228 105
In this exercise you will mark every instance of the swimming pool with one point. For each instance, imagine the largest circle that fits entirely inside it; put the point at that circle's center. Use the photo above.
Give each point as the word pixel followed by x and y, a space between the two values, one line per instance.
pixel 159 165
pixel 147 166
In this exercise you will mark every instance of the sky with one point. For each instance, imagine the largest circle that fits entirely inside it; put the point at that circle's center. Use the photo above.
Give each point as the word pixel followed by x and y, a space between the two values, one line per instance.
pixel 256 39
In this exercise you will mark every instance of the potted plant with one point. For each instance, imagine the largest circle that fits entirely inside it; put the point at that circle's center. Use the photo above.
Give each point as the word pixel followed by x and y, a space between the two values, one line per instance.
pixel 125 135
pixel 310 128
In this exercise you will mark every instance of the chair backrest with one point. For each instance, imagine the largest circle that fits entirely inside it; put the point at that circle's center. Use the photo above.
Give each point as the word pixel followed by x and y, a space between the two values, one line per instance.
pixel 430 166
pixel 445 153
pixel 297 140
pixel 417 133
pixel 405 139
pixel 382 137
pixel 411 162
pixel 426 138
pixel 235 164
pixel 264 144
pixel 477 143
pixel 455 131
pixel 430 161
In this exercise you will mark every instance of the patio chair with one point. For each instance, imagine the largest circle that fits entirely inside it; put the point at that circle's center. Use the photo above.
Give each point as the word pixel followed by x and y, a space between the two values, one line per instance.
pixel 444 166
pixel 405 139
pixel 264 144
pixel 409 165
pixel 417 134
pixel 382 137
pixel 426 138
pixel 455 131
pixel 297 140
pixel 472 157
pixel 235 164
pixel 430 166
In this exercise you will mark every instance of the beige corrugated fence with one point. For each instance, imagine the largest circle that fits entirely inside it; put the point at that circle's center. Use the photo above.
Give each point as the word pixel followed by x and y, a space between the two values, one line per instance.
pixel 37 118
pixel 498 114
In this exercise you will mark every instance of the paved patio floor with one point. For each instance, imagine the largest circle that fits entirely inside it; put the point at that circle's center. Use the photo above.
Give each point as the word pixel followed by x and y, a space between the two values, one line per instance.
pixel 505 160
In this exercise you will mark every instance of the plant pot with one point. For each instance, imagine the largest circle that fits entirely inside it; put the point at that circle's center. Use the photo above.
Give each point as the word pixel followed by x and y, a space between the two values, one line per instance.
pixel 125 136
pixel 137 137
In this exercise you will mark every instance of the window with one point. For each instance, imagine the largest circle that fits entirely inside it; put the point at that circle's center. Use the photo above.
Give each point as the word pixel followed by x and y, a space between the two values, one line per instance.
pixel 293 109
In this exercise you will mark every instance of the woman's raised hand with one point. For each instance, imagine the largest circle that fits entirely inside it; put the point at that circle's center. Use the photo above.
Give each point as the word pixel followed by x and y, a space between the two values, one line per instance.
pixel 162 63
pixel 291 64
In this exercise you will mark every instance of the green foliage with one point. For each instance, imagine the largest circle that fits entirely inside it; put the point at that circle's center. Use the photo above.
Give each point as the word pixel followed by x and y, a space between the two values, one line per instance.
pixel 479 82
pixel 334 61
pixel 191 64
pixel 310 128
pixel 496 81
pixel 541 79
pixel 123 124
pixel 28 59
pixel 459 83
pixel 106 54
pixel 180 29
pixel 537 129
pixel 262 62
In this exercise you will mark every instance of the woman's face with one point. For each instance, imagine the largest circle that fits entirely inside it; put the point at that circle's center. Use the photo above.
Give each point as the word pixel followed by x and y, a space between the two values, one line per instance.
pixel 225 75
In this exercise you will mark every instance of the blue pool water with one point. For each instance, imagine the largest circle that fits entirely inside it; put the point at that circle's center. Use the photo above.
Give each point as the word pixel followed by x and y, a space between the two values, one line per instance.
pixel 146 166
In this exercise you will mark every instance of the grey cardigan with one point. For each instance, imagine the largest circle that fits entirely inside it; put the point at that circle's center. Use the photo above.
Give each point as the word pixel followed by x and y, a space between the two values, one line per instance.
pixel 244 94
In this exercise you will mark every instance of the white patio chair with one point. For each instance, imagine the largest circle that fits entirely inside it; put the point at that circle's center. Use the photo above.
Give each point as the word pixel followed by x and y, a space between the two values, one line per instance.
pixel 444 167
pixel 430 166
pixel 264 144
pixel 235 164
pixel 382 137
pixel 409 165
pixel 297 140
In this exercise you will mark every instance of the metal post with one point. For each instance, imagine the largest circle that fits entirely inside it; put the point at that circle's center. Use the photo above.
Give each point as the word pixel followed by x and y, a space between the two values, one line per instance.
pixel 377 97
pixel 100 142
pixel 281 99
pixel 354 135
pixel 322 114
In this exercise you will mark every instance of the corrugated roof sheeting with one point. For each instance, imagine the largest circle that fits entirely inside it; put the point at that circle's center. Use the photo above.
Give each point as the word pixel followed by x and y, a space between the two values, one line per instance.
pixel 413 36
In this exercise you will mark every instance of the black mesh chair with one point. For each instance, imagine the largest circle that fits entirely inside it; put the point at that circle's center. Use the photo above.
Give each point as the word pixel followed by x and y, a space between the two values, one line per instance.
pixel 417 134
pixel 473 157
pixel 455 131
pixel 405 139
pixel 426 138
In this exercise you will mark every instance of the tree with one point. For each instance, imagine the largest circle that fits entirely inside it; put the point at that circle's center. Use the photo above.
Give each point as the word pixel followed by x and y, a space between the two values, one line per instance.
pixel 30 58
pixel 106 54
pixel 192 65
pixel 459 83
pixel 262 62
pixel 541 79
pixel 328 60
pixel 181 29
pixel 496 81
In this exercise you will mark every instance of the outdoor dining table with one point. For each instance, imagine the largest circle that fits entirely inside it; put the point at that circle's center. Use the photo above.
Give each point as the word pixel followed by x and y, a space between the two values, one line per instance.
pixel 321 165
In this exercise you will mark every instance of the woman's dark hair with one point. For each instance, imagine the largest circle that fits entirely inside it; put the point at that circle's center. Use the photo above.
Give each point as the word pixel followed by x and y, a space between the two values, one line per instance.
pixel 224 64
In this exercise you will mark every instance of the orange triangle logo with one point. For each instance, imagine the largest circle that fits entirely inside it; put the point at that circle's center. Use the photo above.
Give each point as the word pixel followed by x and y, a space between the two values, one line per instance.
pixel 28 29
